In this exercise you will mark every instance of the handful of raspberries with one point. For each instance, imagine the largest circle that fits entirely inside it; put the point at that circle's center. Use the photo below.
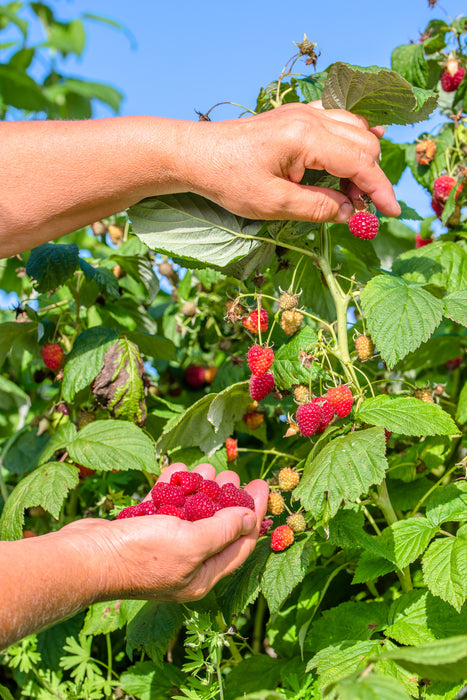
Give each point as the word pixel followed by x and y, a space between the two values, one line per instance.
pixel 189 497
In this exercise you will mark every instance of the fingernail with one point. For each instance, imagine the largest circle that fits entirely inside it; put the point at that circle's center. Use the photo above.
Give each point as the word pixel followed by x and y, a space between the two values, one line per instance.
pixel 249 522
pixel 345 212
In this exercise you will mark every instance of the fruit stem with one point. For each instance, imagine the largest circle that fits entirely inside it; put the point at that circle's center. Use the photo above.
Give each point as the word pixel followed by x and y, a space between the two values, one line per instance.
pixel 109 658
pixel 257 641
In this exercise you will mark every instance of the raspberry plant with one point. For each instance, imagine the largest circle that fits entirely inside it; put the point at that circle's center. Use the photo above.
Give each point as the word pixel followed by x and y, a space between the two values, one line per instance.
pixel 365 597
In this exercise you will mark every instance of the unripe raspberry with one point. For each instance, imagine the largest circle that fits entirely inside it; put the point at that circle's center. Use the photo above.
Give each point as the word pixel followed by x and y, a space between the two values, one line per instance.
pixel 260 359
pixel 341 399
pixel 364 224
pixel 115 233
pixel 260 387
pixel 296 522
pixel 291 321
pixel 209 374
pixel 365 347
pixel 276 503
pixel 301 394
pixel 118 272
pixel 99 228
pixel 288 479
pixel 308 418
pixel 253 420
pixel 256 323
pixel 234 310
pixel 281 538
pixel 189 309
pixel 166 270
pixel 288 301
pixel 425 151
pixel 52 355
pixel 424 395
pixel 232 451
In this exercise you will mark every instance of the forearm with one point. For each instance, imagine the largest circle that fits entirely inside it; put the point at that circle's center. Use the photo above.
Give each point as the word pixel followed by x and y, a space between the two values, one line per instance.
pixel 44 579
pixel 60 176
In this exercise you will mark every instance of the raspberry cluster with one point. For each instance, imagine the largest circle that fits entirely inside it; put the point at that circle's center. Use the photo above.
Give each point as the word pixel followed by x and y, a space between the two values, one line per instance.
pixel 189 497
pixel 315 415
pixel 260 359
pixel 283 535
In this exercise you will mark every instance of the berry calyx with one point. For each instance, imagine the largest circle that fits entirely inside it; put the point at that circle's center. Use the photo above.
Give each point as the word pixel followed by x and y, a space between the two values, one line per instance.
pixel 281 538
pixel 364 224
pixel 308 417
pixel 296 522
pixel 276 503
pixel 52 355
pixel 232 451
pixel 341 400
pixel 260 359
pixel 365 347
pixel 260 387
pixel 255 322
pixel 288 479
pixel 291 321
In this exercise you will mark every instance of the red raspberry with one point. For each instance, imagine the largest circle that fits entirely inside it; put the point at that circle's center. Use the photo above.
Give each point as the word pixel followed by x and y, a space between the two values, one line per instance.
pixel 420 242
pixel 233 496
pixel 451 365
pixel 164 494
pixel 253 420
pixel 437 207
pixel 341 399
pixel 195 376
pixel 146 508
pixel 188 481
pixel 260 359
pixel 52 355
pixel 171 510
pixel 442 187
pixel 288 479
pixel 198 506
pixel 210 488
pixel 232 451
pixel 129 512
pixel 265 525
pixel 451 81
pixel 291 321
pixel 281 538
pixel 309 417
pixel 365 347
pixel 255 324
pixel 364 224
pixel 261 386
pixel 327 411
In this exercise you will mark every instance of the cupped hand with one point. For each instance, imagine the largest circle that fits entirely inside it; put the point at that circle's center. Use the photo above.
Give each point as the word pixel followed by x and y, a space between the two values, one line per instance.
pixel 164 558
pixel 253 166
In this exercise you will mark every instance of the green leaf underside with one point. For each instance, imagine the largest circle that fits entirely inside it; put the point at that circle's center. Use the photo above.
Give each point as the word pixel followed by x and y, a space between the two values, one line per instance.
pixel 85 361
pixel 52 264
pixel 111 444
pixel 344 469
pixel 445 570
pixel 380 95
pixel 284 571
pixel 153 627
pixel 407 415
pixel 193 228
pixel 46 486
pixel 442 264
pixel 400 316
pixel 443 660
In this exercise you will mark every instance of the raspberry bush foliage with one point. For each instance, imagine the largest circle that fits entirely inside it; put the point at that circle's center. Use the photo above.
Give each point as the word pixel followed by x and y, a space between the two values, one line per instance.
pixel 174 350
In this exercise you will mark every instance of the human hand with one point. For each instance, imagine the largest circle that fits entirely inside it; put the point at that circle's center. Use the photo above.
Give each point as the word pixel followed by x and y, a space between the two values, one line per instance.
pixel 253 166
pixel 168 559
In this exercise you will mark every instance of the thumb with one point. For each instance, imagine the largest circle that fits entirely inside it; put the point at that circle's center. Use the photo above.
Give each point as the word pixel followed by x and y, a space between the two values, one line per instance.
pixel 226 526
pixel 309 203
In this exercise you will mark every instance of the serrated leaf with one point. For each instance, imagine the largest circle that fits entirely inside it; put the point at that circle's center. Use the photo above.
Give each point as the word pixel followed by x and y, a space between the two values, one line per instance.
pixel 370 687
pixel 285 570
pixel 141 269
pixel 400 315
pixel 146 681
pixel 193 228
pixel 105 279
pixel 444 659
pixel 351 620
pixel 228 407
pixel 406 415
pixel 371 567
pixel 461 411
pixel 109 616
pixel 447 503
pixel 85 361
pixel 344 469
pixel 445 570
pixel 336 662
pixel 15 335
pixel 289 366
pixel 60 440
pixel 380 95
pixel 153 627
pixel 46 486
pixel 52 264
pixel 442 264
pixel 240 590
pixel 112 444
pixel 312 86
pixel 455 307
pixel 155 346
pixel 409 61
pixel 258 672
pixel 403 541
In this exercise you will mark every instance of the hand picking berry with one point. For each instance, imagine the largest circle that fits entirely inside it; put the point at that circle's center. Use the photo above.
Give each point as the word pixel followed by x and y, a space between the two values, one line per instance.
pixel 364 224
pixel 341 399
pixel 260 387
pixel 52 355
pixel 281 538
pixel 256 323
pixel 232 451
pixel 260 359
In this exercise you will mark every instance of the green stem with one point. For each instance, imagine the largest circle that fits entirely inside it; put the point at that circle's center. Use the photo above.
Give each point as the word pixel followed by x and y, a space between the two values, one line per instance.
pixel 109 657
pixel 433 488
pixel 258 625
pixel 384 503
pixel 219 672
pixel 232 646
pixel 270 452
pixel 3 488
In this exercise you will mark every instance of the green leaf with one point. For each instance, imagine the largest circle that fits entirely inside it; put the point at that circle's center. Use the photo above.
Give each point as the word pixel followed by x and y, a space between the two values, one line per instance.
pixel 285 570
pixel 380 95
pixel 406 415
pixel 404 541
pixel 372 687
pixel 258 672
pixel 289 367
pixel 400 315
pixel 155 346
pixel 15 336
pixel 392 160
pixel 93 91
pixel 228 407
pixel 85 361
pixel 146 681
pixel 105 279
pixel 455 307
pixel 46 486
pixel 5 693
pixel 409 61
pixel 445 570
pixel 153 627
pixel 141 269
pixel 20 91
pixel 242 588
pixel 336 662
pixel 192 228
pixel 106 617
pixel 60 440
pixel 344 469
pixel 371 567
pixel 461 411
pixel 442 264
pixel 312 86
pixel 444 659
pixel 352 620
pixel 111 444
pixel 52 264
pixel 24 450
pixel 447 504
